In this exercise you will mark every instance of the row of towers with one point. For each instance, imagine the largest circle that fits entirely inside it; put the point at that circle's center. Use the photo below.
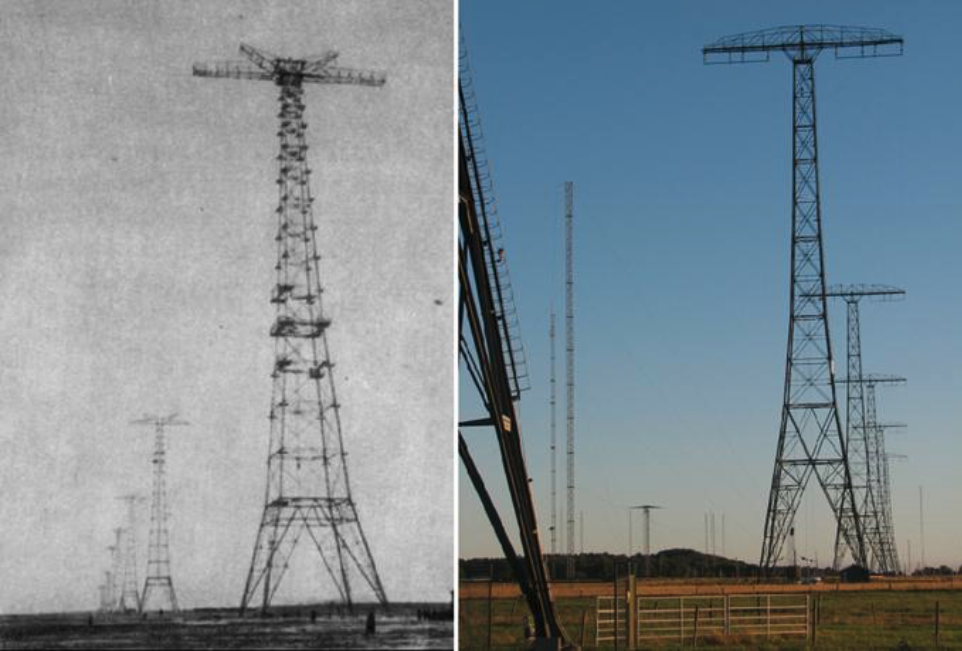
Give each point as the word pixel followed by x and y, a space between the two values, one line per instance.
pixel 121 592
pixel 849 464
pixel 308 496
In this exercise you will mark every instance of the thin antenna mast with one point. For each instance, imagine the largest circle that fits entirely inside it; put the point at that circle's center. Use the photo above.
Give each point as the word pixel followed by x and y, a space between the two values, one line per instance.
pixel 570 368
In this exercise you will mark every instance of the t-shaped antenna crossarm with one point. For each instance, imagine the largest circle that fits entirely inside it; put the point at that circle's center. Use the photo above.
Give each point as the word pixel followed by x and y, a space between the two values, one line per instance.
pixel 264 66
pixel 855 292
pixel 160 421
pixel 875 378
pixel 803 43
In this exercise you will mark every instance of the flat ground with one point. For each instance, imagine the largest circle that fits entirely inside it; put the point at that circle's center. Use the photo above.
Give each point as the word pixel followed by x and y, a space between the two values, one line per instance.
pixel 864 619
pixel 222 629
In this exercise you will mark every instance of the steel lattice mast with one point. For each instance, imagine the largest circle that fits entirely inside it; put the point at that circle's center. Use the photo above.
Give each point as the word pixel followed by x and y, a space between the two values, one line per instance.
pixel 888 559
pixel 810 435
pixel 113 580
pixel 492 357
pixel 861 435
pixel 570 369
pixel 159 585
pixel 554 447
pixel 308 491
pixel 130 591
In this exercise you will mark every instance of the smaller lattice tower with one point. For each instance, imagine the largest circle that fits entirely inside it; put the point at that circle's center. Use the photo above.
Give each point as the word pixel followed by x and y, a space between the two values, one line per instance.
pixel 862 436
pixel 158 593
pixel 130 591
pixel 113 588
pixel 105 589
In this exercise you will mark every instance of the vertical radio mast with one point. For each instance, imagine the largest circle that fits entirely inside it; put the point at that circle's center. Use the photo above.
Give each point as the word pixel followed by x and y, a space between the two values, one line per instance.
pixel 570 370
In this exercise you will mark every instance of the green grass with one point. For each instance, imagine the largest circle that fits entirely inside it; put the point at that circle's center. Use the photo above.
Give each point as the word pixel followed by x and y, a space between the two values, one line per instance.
pixel 849 620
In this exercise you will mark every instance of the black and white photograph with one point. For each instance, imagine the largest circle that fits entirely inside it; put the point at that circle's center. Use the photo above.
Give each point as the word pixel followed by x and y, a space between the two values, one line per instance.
pixel 227 361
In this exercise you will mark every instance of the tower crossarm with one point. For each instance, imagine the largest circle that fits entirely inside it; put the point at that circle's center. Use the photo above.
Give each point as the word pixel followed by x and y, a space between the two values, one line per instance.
pixel 263 60
pixel 803 42
pixel 263 66
pixel 855 292
pixel 172 420
pixel 874 378
pixel 342 75
pixel 231 70
pixel 316 63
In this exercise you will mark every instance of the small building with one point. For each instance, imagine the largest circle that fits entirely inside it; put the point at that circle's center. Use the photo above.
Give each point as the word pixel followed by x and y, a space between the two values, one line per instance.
pixel 854 574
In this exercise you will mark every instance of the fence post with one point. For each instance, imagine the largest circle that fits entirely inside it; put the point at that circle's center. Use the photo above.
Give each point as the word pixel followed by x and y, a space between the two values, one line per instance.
pixel 937 623
pixel 490 582
pixel 681 620
pixel 631 612
pixel 768 614
pixel 694 634
pixel 584 625
pixel 614 591
pixel 728 620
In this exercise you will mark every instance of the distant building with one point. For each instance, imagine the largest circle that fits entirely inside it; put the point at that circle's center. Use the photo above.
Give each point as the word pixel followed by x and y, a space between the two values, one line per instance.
pixel 854 574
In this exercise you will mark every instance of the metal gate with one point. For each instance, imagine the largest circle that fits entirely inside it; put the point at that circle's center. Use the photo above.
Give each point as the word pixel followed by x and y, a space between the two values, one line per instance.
pixel 692 617
pixel 610 621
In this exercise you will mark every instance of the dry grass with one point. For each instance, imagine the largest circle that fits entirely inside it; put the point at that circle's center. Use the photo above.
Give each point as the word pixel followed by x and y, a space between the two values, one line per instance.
pixel 861 619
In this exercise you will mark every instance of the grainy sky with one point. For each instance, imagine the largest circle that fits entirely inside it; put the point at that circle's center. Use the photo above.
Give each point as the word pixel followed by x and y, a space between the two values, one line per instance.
pixel 136 265
pixel 682 179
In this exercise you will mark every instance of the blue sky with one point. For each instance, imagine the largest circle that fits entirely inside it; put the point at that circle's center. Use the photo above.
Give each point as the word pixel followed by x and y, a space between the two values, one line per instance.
pixel 682 200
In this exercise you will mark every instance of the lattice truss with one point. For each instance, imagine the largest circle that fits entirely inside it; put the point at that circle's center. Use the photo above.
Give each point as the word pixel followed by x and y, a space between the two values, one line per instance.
pixel 308 489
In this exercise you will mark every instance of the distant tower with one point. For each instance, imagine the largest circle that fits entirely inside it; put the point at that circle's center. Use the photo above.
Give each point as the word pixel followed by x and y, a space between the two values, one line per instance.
pixel 570 369
pixel 554 462
pixel 117 568
pixel 308 491
pixel 862 435
pixel 130 591
pixel 106 592
pixel 158 593
pixel 810 437
pixel 113 587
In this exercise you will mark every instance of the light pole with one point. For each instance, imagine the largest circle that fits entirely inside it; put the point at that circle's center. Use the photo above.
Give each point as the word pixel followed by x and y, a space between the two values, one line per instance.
pixel 630 529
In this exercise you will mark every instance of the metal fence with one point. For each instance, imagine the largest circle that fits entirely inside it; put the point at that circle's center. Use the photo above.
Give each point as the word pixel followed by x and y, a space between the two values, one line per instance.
pixel 692 617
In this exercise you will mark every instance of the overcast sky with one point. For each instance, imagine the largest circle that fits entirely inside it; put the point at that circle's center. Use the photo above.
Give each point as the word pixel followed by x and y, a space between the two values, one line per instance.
pixel 136 265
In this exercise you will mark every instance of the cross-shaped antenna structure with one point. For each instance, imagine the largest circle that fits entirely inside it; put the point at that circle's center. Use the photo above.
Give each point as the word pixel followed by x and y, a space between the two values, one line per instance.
pixel 811 439
pixel 264 66
pixel 308 489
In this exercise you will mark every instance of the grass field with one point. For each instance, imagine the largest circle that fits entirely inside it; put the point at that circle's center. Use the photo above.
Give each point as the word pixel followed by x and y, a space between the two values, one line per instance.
pixel 223 629
pixel 849 620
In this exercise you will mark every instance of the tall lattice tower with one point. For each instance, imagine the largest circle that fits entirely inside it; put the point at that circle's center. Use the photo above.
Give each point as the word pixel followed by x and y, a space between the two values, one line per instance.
pixel 570 368
pixel 158 593
pixel 810 439
pixel 861 433
pixel 307 479
pixel 130 591
pixel 554 439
